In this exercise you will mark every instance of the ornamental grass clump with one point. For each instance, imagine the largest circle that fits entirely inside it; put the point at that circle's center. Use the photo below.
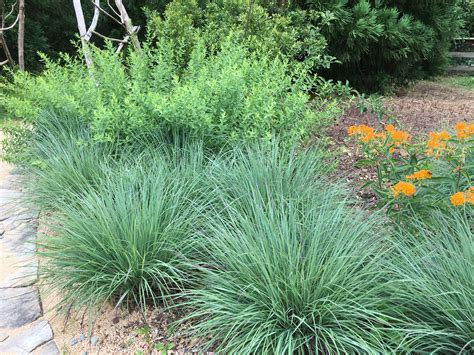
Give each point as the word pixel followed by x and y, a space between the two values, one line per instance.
pixel 127 239
pixel 63 162
pixel 435 264
pixel 289 268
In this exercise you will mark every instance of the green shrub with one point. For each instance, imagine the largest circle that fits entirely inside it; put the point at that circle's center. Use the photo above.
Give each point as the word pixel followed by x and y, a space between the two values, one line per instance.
pixel 467 7
pixel 436 261
pixel 126 239
pixel 292 35
pixel 377 44
pixel 384 43
pixel 289 269
pixel 232 95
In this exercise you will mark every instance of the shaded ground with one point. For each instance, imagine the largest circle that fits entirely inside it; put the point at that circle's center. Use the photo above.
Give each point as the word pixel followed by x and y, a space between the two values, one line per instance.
pixel 427 106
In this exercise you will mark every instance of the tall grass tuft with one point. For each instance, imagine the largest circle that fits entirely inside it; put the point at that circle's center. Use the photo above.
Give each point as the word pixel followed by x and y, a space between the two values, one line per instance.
pixel 127 239
pixel 64 161
pixel 436 290
pixel 289 269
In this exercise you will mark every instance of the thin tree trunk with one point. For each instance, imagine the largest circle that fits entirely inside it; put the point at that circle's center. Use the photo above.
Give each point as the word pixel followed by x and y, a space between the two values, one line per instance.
pixel 3 43
pixel 21 34
pixel 128 26
pixel 81 25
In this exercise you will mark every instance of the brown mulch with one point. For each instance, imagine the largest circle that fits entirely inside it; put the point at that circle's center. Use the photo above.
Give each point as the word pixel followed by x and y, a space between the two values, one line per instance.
pixel 427 106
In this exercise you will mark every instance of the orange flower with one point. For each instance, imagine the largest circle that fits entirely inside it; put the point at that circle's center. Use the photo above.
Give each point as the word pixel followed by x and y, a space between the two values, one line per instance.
pixel 404 188
pixel 458 199
pixel 365 133
pixel 470 195
pixel 461 130
pixel 461 198
pixel 420 175
pixel 398 137
pixel 464 130
pixel 437 142
pixel 443 135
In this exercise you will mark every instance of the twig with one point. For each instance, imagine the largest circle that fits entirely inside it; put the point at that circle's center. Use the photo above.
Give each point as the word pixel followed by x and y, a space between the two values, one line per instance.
pixel 9 14
pixel 12 25
pixel 107 14
pixel 121 45
pixel 94 21
pixel 113 10
pixel 4 62
pixel 109 38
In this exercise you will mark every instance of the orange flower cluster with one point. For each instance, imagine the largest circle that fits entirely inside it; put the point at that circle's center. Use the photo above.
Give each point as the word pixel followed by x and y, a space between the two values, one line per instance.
pixel 368 134
pixel 461 198
pixel 464 130
pixel 365 133
pixel 398 137
pixel 403 188
pixel 437 143
pixel 420 175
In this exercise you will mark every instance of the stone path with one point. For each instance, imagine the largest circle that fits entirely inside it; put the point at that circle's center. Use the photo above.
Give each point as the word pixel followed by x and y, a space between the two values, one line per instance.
pixel 22 329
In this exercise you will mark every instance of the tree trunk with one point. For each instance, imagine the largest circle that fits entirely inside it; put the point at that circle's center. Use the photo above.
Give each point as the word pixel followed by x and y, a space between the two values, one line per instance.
pixel 3 43
pixel 81 25
pixel 21 34
pixel 128 26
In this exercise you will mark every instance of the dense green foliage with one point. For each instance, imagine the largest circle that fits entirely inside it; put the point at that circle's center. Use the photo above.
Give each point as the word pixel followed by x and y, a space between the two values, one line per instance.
pixel 467 8
pixel 377 44
pixel 227 96
pixel 388 42
pixel 179 177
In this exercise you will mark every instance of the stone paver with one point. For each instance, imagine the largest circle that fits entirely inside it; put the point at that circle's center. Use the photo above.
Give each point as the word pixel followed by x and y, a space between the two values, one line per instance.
pixel 49 348
pixel 28 339
pixel 22 330
pixel 18 306
pixel 24 272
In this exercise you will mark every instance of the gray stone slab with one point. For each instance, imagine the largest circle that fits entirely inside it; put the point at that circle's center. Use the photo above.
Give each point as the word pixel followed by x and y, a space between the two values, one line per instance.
pixel 7 195
pixel 24 274
pixel 26 215
pixel 19 306
pixel 50 348
pixel 8 200
pixel 28 339
pixel 20 241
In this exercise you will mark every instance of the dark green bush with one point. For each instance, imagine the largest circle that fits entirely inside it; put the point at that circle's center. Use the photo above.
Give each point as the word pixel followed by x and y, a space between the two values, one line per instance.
pixel 388 42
